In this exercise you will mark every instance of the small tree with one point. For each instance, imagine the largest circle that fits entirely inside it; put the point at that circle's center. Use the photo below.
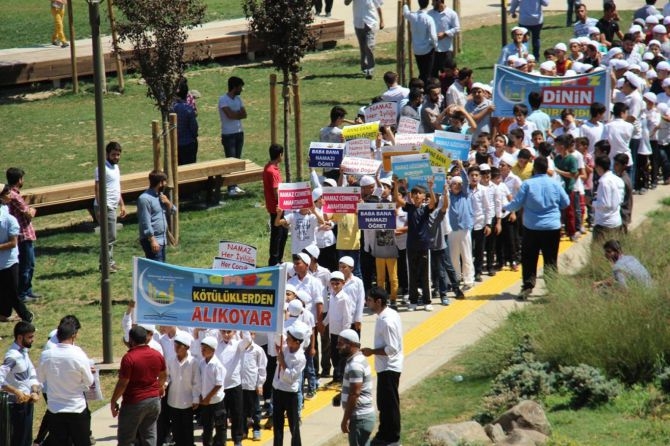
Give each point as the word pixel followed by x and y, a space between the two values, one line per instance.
pixel 283 25
pixel 157 31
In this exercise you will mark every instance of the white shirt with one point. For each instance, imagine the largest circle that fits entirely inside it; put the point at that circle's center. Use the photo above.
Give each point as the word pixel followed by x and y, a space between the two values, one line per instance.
pixel 312 286
pixel 365 13
pixel 388 335
pixel 253 368
pixel 213 373
pixel 528 129
pixel 354 288
pixel 230 354
pixel 481 209
pixel 230 126
pixel 395 94
pixel 185 382
pixel 607 205
pixel 67 371
pixel 594 133
pixel 112 184
pixel 288 379
pixel 341 313
pixel 619 133
pixel 322 274
pixel 513 183
pixel 635 109
pixel 455 95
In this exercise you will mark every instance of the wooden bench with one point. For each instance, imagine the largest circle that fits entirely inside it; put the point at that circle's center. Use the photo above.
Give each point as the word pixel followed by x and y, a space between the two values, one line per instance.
pixel 207 175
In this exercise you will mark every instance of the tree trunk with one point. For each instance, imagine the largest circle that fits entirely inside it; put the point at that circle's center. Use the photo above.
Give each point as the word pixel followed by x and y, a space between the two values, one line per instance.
pixel 287 97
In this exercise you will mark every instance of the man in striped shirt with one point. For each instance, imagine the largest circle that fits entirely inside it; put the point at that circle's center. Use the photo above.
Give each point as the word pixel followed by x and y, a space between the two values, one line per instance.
pixel 359 415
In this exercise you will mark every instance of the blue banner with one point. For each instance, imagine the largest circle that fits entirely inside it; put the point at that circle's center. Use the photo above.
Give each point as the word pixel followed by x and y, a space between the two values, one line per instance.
pixel 454 145
pixel 511 87
pixel 322 154
pixel 417 165
pixel 221 299
pixel 439 180
pixel 376 216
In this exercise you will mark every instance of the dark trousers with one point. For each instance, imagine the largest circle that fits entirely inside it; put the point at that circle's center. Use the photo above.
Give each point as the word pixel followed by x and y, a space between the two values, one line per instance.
pixel 478 240
pixel 149 254
pixel 213 416
pixel 403 281
pixel 324 349
pixel 506 243
pixel 22 423
pixel 328 258
pixel 533 242
pixel 9 294
pixel 437 272
pixel 270 369
pixel 425 64
pixel 388 403
pixel 569 19
pixel 490 246
pixel 69 428
pixel 655 162
pixel 187 153
pixel 234 409
pixel 285 402
pixel 252 409
pixel 534 31
pixel 232 147
pixel 368 268
pixel 642 177
pixel 440 60
pixel 182 426
pixel 26 268
pixel 417 262
pixel 337 360
pixel 278 236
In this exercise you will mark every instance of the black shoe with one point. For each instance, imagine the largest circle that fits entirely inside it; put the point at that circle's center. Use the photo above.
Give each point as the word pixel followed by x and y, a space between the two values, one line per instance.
pixel 459 294
pixel 325 375
pixel 31 317
pixel 478 278
pixel 491 272
pixel 29 299
pixel 524 294
pixel 268 424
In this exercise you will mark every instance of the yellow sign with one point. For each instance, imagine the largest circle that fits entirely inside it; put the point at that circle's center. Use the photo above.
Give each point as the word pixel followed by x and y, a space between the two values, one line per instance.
pixel 437 157
pixel 368 130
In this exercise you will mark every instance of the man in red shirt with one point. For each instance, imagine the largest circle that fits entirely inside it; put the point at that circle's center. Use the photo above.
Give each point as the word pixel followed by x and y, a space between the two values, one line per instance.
pixel 271 180
pixel 142 383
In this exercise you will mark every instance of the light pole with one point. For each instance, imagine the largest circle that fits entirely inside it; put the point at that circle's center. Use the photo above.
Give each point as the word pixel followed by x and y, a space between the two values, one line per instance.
pixel 105 293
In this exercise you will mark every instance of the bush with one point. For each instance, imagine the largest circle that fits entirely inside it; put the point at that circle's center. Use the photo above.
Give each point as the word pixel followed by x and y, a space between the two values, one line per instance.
pixel 587 385
pixel 664 380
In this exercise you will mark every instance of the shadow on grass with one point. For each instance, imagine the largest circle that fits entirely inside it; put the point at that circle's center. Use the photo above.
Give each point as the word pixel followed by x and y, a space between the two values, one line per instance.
pixel 327 102
pixel 114 302
pixel 311 77
pixel 57 250
pixel 69 274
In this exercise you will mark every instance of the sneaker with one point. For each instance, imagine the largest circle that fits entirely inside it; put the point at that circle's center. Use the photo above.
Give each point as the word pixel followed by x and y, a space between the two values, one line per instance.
pixel 326 374
pixel 491 272
pixel 584 230
pixel 268 424
pixel 239 191
pixel 467 287
pixel 92 440
pixel 428 307
pixel 393 307
pixel 232 193
pixel 445 301
pixel 411 307
pixel 478 278
pixel 55 43
pixel 405 298
pixel 515 266
pixel 257 436
pixel 310 395
pixel 31 317
pixel 29 299
pixel 459 293
pixel 574 238
pixel 328 14
pixel 113 268
pixel 65 44
pixel 334 385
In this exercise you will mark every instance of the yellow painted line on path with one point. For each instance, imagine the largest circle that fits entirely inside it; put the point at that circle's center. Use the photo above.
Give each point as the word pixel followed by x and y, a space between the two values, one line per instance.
pixel 442 319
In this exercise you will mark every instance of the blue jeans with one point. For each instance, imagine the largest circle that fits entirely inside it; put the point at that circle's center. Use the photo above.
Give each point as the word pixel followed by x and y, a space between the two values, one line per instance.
pixel 26 268
pixel 232 147
pixel 310 373
pixel 149 254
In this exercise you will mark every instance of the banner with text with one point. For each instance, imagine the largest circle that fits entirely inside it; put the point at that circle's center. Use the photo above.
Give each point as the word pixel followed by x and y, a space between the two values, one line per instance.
pixel 390 151
pixel 408 125
pixel 512 87
pixel 456 146
pixel 368 130
pixel 359 166
pixel 376 216
pixel 325 154
pixel 416 165
pixel 215 299
pixel 294 196
pixel 360 148
pixel 237 252
pixel 341 200
pixel 439 180
pixel 411 141
pixel 384 112
pixel 437 155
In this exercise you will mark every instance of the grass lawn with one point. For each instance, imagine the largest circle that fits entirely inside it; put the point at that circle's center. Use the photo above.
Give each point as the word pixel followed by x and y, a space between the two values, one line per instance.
pixel 54 141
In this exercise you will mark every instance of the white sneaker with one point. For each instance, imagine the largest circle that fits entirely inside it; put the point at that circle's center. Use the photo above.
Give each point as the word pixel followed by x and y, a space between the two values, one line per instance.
pixel 428 307
pixel 411 307
pixel 239 191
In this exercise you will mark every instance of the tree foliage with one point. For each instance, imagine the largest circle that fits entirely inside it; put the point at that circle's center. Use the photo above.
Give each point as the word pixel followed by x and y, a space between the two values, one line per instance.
pixel 157 31
pixel 283 25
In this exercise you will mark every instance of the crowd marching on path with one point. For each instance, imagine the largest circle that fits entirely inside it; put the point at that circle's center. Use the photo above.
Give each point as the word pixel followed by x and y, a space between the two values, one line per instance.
pixel 533 171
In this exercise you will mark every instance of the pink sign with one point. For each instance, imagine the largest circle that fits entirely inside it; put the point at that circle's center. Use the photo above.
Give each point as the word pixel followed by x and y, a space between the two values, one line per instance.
pixel 220 263
pixel 239 252
pixel 384 112
pixel 360 148
pixel 341 200
pixel 294 196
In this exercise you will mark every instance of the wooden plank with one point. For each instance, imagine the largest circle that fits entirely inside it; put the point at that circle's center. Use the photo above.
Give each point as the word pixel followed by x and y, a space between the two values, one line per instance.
pixel 132 182
pixel 228 39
